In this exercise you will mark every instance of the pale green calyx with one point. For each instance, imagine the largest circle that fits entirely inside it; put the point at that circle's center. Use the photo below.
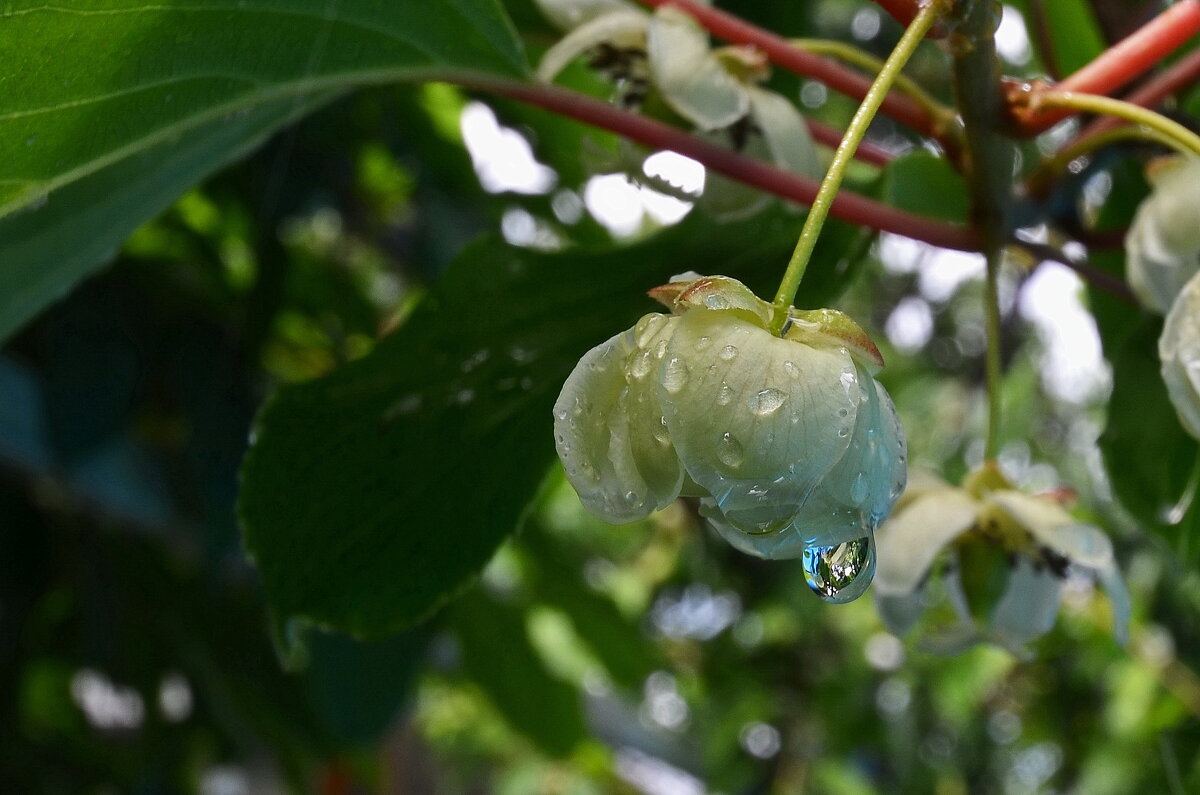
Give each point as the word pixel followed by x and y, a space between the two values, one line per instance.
pixel 1179 350
pixel 1003 555
pixel 791 445
pixel 1162 246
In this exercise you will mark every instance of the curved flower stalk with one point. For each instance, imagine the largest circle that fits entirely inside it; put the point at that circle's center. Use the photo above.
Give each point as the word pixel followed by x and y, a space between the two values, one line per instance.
pixel 667 54
pixel 1018 551
pixel 1179 350
pixel 789 442
pixel 1163 244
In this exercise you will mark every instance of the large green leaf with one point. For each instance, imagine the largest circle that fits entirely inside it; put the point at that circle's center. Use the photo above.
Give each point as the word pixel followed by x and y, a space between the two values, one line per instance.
pixel 111 108
pixel 372 495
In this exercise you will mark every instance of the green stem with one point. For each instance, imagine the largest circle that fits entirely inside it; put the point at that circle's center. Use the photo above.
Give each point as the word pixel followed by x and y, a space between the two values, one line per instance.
pixel 1045 173
pixel 989 160
pixel 1185 139
pixel 819 211
pixel 848 53
pixel 994 370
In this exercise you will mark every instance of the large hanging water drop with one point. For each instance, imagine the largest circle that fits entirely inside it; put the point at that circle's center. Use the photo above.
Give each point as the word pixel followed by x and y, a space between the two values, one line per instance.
pixel 842 572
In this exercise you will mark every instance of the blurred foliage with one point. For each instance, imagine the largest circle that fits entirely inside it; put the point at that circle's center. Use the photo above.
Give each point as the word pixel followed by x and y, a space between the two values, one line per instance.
pixel 135 639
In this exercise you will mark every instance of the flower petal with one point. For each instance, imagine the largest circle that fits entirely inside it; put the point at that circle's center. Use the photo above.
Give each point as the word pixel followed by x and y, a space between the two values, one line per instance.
pixel 1028 608
pixel 604 426
pixel 1163 243
pixel 570 14
pixel 757 420
pixel 1118 597
pixel 911 539
pixel 1179 350
pixel 1052 526
pixel 784 131
pixel 623 28
pixel 692 80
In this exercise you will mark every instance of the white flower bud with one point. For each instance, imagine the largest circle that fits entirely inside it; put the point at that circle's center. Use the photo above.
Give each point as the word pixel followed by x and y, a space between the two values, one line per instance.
pixel 1179 349
pixel 1163 244
pixel 793 447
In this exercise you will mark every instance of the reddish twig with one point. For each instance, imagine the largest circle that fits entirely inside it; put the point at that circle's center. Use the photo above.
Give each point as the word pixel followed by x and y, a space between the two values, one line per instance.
pixel 903 11
pixel 867 152
pixel 1121 63
pixel 838 77
pixel 1181 74
pixel 848 206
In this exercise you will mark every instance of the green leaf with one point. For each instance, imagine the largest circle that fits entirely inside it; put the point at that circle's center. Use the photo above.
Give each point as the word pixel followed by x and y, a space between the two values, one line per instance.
pixel 371 496
pixel 927 185
pixel 620 644
pixel 1074 33
pixel 497 654
pixel 1148 455
pixel 110 110
pixel 358 689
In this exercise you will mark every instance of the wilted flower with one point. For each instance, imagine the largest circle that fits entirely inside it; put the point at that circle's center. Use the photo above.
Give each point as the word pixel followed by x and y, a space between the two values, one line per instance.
pixel 1003 556
pixel 1163 244
pixel 1179 349
pixel 789 442
pixel 716 90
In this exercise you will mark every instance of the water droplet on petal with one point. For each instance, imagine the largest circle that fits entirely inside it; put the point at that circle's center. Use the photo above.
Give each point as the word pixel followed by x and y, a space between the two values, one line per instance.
pixel 716 302
pixel 842 572
pixel 791 369
pixel 728 353
pixel 766 401
pixel 641 364
pixel 660 348
pixel 703 343
pixel 729 451
pixel 675 375
pixel 631 497
pixel 858 489
pixel 724 394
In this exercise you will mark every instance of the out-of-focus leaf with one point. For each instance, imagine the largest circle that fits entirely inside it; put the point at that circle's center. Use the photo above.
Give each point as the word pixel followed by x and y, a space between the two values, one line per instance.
pixel 497 654
pixel 45 250
pixel 111 110
pixel 1148 455
pixel 925 184
pixel 358 689
pixel 1068 27
pixel 617 642
pixel 374 494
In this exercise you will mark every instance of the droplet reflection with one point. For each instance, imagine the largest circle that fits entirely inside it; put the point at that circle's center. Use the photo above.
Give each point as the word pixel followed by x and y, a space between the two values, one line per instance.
pixel 842 572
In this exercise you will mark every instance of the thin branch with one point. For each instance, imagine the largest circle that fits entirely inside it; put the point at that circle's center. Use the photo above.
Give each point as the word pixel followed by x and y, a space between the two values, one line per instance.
pixel 867 152
pixel 848 206
pixel 1123 62
pixel 1181 74
pixel 838 77
pixel 1098 278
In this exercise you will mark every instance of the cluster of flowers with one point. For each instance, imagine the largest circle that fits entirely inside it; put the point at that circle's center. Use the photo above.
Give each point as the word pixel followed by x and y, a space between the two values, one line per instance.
pixel 787 441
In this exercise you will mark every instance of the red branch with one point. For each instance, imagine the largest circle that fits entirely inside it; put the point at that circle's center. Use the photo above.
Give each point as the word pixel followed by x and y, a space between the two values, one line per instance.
pixel 1123 62
pixel 838 77
pixel 904 11
pixel 867 152
pixel 1182 74
pixel 848 206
